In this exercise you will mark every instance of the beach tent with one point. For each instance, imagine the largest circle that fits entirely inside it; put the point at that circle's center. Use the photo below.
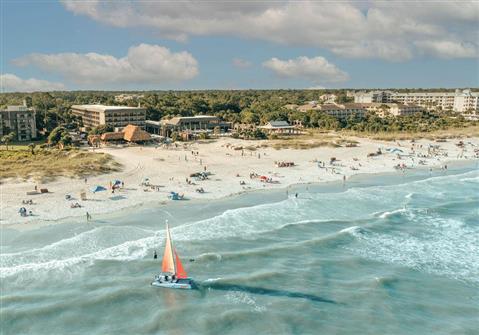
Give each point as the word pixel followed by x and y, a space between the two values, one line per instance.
pixel 98 188
pixel 394 150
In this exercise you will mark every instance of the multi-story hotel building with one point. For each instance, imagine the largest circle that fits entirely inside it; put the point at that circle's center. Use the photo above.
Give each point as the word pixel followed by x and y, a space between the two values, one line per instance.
pixel 394 109
pixel 114 116
pixel 459 101
pixel 340 111
pixel 20 120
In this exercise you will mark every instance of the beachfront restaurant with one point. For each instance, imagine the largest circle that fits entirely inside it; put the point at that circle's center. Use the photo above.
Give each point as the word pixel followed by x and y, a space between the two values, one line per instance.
pixel 130 133
pixel 188 124
pixel 279 127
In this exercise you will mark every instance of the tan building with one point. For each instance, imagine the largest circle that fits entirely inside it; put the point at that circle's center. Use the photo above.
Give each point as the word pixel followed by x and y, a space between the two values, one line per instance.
pixel 20 120
pixel 394 109
pixel 461 101
pixel 114 116
pixel 340 111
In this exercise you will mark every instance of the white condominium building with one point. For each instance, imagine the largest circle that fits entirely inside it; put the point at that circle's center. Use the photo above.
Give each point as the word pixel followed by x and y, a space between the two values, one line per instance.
pixel 459 101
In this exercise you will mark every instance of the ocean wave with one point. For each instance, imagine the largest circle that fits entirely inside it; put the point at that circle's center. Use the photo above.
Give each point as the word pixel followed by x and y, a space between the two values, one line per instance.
pixel 443 246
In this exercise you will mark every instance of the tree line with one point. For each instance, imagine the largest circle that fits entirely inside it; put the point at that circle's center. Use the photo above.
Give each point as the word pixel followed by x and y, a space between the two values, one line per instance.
pixel 237 106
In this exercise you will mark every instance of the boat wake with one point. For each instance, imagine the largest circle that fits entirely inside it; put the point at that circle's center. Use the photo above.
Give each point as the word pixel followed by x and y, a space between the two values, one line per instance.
pixel 230 287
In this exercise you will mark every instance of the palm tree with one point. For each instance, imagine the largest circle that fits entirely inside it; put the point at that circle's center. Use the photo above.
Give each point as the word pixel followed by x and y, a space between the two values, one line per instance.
pixel 32 147
pixel 8 138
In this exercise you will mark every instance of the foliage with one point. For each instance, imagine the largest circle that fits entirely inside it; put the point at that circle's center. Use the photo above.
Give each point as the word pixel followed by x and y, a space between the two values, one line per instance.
pixel 60 136
pixel 175 136
pixel 51 163
pixel 32 146
pixel 6 139
pixel 101 129
pixel 246 106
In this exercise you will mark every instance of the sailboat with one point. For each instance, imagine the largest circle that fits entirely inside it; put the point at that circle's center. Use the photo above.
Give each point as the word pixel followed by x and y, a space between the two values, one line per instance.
pixel 172 275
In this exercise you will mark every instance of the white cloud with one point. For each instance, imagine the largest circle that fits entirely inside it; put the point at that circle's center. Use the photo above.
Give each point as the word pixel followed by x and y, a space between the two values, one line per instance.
pixel 316 69
pixel 12 83
pixel 448 49
pixel 144 63
pixel 372 29
pixel 241 63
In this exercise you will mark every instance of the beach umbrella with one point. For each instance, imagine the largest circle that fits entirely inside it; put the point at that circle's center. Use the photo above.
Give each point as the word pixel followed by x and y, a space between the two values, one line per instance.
pixel 117 182
pixel 98 188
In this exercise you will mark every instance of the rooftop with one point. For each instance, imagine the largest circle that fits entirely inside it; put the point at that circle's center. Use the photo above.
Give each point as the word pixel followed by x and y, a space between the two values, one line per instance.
pixel 103 108
pixel 276 125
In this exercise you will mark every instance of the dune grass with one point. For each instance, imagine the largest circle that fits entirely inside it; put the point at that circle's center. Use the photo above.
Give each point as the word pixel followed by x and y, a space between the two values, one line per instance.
pixel 311 139
pixel 47 164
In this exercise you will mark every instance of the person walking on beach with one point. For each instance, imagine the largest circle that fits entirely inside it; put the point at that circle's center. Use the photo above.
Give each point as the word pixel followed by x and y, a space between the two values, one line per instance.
pixel 155 255
pixel 88 216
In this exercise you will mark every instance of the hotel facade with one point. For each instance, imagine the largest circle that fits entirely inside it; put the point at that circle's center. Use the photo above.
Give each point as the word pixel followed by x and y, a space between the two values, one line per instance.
pixel 113 116
pixel 20 120
pixel 459 101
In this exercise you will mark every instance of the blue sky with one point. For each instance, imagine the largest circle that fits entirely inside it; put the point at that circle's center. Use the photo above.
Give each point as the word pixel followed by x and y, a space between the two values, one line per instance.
pixel 132 45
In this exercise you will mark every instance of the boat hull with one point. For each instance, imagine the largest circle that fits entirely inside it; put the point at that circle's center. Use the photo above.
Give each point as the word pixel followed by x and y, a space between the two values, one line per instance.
pixel 180 284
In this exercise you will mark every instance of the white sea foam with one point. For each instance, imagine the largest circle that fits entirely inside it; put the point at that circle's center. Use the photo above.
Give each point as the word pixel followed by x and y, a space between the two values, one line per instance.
pixel 448 248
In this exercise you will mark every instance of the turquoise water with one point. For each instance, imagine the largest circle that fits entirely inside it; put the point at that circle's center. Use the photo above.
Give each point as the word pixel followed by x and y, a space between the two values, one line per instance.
pixel 392 254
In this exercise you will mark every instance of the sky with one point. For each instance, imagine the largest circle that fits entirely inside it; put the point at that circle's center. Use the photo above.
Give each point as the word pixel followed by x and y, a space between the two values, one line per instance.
pixel 245 44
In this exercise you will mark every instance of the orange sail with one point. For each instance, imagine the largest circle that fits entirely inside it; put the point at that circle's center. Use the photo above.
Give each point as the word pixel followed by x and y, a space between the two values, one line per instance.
pixel 180 271
pixel 168 265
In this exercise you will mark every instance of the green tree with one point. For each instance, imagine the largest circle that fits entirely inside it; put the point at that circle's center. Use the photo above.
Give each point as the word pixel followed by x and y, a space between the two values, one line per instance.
pixel 101 129
pixel 60 136
pixel 8 138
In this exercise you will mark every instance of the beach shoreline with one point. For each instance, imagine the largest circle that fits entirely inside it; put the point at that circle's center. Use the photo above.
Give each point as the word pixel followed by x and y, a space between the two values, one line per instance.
pixel 140 162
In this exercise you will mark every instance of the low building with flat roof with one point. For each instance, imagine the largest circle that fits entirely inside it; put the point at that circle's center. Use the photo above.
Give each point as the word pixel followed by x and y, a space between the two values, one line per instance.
pixel 114 116
pixel 279 127
pixel 191 124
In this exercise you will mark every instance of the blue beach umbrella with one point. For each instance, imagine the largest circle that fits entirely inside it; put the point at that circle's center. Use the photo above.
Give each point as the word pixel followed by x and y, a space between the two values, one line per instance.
pixel 117 182
pixel 98 188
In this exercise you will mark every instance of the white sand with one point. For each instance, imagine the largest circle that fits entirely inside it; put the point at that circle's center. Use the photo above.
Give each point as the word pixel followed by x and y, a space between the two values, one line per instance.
pixel 160 165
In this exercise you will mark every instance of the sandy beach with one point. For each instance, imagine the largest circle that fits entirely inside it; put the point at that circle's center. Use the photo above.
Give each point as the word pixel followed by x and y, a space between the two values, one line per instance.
pixel 151 173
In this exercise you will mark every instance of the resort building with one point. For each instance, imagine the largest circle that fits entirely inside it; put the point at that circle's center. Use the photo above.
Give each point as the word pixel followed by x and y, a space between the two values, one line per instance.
pixel 279 127
pixel 127 97
pixel 459 101
pixel 328 98
pixel 114 116
pixel 340 111
pixel 20 120
pixel 394 109
pixel 191 124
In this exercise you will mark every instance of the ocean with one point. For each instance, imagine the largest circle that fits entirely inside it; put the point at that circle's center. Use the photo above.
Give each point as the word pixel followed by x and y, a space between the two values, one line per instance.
pixel 382 254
